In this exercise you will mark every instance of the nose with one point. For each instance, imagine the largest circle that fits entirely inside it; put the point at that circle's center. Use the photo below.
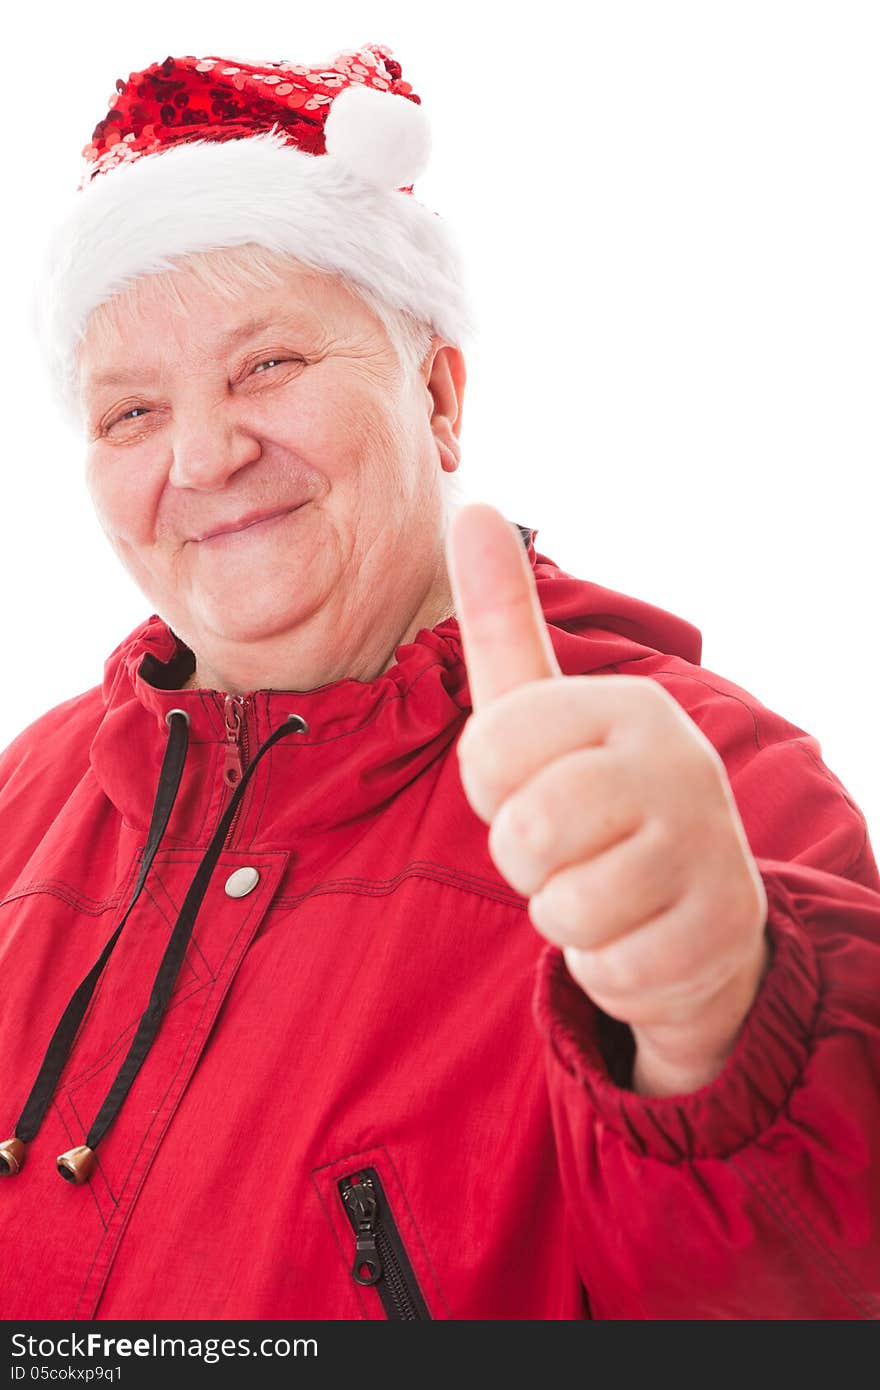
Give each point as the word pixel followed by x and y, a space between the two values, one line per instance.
pixel 209 445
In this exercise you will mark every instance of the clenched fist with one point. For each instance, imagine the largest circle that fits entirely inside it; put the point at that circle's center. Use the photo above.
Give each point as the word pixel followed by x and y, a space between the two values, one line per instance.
pixel 612 813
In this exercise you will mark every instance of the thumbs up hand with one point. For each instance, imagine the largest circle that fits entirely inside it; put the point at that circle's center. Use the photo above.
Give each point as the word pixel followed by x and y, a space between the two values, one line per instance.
pixel 612 813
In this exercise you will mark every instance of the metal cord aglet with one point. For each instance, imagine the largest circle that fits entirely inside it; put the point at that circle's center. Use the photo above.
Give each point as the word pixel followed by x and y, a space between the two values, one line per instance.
pixel 76 1165
pixel 12 1155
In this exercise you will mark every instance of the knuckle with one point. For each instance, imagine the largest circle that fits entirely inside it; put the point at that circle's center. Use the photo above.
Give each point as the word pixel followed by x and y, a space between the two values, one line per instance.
pixel 618 970
pixel 666 852
pixel 528 824
pixel 511 858
pixel 481 750
pixel 708 776
pixel 647 694
pixel 559 908
pixel 664 699
pixel 567 902
pixel 610 911
pixel 501 847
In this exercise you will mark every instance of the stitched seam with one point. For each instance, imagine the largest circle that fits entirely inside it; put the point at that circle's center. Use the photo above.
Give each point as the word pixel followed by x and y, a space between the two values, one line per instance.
pixel 267 781
pixel 54 888
pixel 792 743
pixel 134 1196
pixel 206 799
pixel 124 896
pixel 350 733
pixel 66 1129
pixel 835 782
pixel 828 1257
pixel 97 994
pixel 123 1224
pixel 416 1228
pixel 421 868
pixel 212 713
pixel 786 1215
pixel 346 1158
pixel 164 1097
pixel 847 872
pixel 77 899
pixel 698 680
pixel 164 914
pixel 245 808
pixel 418 864
pixel 103 1060
pixel 83 1129
pixel 99 987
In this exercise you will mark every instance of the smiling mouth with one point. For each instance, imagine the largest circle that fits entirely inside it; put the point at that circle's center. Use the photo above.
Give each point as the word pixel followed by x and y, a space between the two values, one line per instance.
pixel 259 524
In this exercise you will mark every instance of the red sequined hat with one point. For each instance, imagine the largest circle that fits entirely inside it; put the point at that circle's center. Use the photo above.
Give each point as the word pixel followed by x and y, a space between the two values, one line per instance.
pixel 195 154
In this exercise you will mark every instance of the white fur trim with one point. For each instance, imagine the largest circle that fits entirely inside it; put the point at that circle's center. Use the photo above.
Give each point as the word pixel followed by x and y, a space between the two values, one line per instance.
pixel 141 217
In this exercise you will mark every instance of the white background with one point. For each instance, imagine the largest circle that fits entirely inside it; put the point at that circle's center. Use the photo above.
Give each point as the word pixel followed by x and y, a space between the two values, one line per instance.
pixel 671 220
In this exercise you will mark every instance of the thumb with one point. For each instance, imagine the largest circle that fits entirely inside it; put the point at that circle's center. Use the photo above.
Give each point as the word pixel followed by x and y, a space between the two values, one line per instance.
pixel 505 637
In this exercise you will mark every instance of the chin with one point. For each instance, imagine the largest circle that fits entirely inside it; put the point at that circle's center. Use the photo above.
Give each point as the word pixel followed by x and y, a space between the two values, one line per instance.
pixel 231 620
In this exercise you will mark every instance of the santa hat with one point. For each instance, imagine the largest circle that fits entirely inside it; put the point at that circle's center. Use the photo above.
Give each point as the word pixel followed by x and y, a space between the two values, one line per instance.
pixel 196 154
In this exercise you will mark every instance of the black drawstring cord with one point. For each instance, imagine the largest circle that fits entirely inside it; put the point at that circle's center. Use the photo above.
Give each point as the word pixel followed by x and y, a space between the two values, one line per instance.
pixel 76 1165
pixel 12 1152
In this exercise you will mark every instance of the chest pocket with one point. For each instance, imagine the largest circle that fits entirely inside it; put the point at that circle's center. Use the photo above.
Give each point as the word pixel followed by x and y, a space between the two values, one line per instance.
pixel 382 1253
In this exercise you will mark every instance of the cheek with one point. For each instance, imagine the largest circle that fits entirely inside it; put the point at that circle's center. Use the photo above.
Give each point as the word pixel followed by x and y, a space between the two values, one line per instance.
pixel 353 425
pixel 124 496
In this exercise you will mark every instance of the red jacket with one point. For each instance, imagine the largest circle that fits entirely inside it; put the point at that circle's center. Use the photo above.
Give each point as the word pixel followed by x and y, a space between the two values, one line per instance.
pixel 371 1050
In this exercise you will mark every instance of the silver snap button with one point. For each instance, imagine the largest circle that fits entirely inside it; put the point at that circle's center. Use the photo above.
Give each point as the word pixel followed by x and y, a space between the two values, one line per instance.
pixel 242 882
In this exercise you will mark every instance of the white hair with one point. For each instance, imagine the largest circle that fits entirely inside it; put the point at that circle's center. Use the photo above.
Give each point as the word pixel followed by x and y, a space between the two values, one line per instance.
pixel 227 270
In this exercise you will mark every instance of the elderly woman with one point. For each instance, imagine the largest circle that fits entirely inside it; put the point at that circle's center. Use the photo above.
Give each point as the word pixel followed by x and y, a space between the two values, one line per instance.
pixel 404 928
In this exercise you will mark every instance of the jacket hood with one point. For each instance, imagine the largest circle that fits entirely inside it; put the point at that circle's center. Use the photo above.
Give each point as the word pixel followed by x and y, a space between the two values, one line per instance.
pixel 366 739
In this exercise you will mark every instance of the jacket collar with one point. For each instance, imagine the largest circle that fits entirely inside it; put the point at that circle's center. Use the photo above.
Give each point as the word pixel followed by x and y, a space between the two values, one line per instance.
pixel 366 740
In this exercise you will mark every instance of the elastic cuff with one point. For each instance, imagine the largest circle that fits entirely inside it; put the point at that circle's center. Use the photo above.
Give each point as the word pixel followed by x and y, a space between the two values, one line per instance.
pixel 767 1061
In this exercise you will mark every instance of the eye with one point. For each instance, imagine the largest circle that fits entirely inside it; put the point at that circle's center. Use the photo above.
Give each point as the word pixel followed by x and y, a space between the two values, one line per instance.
pixel 126 415
pixel 271 362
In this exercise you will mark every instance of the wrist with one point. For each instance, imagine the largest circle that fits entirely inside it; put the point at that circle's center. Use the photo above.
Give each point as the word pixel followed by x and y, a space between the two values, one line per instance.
pixel 681 1058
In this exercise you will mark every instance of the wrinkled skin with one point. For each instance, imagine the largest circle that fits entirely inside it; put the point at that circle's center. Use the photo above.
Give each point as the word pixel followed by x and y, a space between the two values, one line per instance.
pixel 313 408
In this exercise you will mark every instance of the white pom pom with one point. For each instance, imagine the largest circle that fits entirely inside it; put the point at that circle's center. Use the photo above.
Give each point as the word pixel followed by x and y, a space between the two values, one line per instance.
pixel 379 136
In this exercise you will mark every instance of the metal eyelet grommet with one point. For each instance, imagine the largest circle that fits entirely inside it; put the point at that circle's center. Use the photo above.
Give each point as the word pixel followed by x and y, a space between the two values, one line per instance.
pixel 298 719
pixel 177 711
pixel 77 1164
pixel 12 1156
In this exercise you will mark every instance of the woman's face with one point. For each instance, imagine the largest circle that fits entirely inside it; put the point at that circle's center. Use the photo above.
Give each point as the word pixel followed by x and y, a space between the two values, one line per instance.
pixel 291 403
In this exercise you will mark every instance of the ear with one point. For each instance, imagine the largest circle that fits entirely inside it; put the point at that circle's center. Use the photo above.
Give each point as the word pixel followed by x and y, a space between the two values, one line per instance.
pixel 444 374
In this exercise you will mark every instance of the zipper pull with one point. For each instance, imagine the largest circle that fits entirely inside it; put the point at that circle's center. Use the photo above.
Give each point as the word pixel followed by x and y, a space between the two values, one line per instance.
pixel 232 713
pixel 362 1204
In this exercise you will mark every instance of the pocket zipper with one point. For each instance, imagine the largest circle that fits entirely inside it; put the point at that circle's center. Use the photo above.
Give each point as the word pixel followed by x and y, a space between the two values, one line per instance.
pixel 380 1257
